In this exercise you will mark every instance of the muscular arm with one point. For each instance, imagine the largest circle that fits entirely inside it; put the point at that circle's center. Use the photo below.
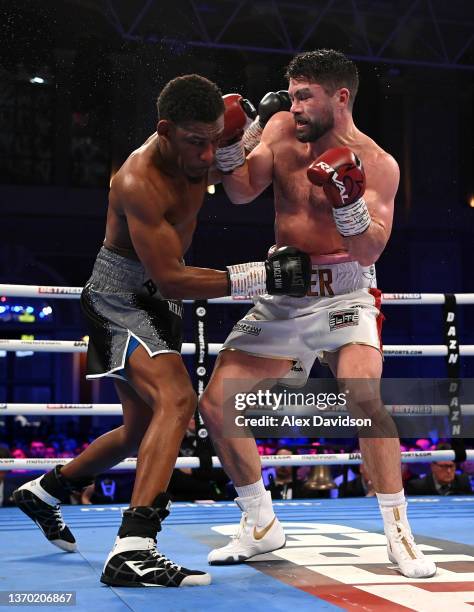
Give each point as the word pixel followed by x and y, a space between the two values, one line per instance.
pixel 159 247
pixel 382 184
pixel 248 181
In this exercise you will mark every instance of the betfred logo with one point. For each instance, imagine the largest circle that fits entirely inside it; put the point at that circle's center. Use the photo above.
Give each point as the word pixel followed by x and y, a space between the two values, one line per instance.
pixel 69 406
pixel 60 290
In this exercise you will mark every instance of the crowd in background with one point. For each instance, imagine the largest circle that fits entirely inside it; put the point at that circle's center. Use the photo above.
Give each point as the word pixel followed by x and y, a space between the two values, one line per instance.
pixel 284 482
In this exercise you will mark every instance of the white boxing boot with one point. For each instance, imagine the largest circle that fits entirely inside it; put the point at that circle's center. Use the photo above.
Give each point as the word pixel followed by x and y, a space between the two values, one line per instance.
pixel 401 547
pixel 259 532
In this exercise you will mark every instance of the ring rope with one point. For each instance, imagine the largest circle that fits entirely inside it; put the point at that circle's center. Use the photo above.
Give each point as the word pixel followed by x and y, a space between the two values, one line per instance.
pixel 52 292
pixel 189 348
pixel 397 410
pixel 267 460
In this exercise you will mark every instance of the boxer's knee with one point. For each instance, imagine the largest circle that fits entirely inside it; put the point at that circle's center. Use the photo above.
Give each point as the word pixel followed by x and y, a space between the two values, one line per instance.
pixel 359 362
pixel 184 402
pixel 210 408
pixel 176 401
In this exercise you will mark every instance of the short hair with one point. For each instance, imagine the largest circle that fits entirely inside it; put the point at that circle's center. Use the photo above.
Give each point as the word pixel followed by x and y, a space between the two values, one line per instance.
pixel 190 98
pixel 330 68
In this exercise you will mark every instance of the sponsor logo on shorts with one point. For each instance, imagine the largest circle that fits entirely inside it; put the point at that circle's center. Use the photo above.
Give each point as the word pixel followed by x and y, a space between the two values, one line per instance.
pixel 176 308
pixel 343 318
pixel 245 328
pixel 369 273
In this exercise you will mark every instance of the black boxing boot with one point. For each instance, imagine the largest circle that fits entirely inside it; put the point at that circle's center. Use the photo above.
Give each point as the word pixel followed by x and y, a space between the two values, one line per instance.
pixel 40 500
pixel 135 561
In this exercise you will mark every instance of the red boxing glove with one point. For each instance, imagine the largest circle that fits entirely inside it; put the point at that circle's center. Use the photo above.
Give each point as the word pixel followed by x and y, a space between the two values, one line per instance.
pixel 339 172
pixel 237 112
pixel 341 175
pixel 231 153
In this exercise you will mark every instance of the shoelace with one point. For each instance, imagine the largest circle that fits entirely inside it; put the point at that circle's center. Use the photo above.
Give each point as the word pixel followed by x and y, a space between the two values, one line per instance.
pixel 58 517
pixel 164 560
pixel 240 528
pixel 55 519
pixel 404 537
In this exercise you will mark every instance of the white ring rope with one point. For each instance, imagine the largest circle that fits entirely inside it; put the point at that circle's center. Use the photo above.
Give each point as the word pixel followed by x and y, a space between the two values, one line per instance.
pixel 189 348
pixel 267 460
pixel 397 410
pixel 52 292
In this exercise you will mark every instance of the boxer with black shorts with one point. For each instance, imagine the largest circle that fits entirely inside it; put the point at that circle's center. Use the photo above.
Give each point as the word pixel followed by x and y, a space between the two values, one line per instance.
pixel 131 303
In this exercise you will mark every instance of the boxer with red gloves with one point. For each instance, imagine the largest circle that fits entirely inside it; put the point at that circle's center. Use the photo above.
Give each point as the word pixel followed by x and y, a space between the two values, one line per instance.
pixel 341 216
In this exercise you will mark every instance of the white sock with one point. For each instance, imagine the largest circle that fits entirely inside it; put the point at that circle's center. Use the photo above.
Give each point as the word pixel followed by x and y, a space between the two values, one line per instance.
pixel 390 500
pixel 252 490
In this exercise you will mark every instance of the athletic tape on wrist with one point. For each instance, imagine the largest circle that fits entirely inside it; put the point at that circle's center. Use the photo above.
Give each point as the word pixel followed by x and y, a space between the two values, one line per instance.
pixel 353 219
pixel 231 157
pixel 252 135
pixel 248 279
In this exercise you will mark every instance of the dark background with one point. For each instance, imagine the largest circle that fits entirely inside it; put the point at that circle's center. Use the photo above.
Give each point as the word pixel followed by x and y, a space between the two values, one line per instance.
pixel 103 64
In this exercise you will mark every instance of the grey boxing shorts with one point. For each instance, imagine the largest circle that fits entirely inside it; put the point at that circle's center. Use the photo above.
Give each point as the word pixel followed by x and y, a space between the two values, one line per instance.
pixel 124 310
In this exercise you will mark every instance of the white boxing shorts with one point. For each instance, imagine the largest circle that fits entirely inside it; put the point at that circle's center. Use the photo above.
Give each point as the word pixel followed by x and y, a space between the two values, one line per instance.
pixel 341 308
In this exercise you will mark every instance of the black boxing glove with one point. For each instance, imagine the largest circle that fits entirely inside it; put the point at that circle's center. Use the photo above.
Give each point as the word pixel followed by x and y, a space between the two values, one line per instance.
pixel 271 103
pixel 286 272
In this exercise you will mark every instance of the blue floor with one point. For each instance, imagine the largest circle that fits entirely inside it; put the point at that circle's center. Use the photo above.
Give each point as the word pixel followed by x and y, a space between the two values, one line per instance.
pixel 288 579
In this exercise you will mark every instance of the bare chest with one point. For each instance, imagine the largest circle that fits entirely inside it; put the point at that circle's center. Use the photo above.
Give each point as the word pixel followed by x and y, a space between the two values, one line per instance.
pixel 303 213
pixel 293 192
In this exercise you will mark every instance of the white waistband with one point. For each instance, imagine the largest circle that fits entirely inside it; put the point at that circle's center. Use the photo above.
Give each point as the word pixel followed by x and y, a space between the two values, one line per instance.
pixel 330 279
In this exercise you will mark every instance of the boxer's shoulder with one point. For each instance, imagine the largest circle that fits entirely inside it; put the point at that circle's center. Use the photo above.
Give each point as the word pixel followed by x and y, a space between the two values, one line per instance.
pixel 139 183
pixel 374 157
pixel 279 129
